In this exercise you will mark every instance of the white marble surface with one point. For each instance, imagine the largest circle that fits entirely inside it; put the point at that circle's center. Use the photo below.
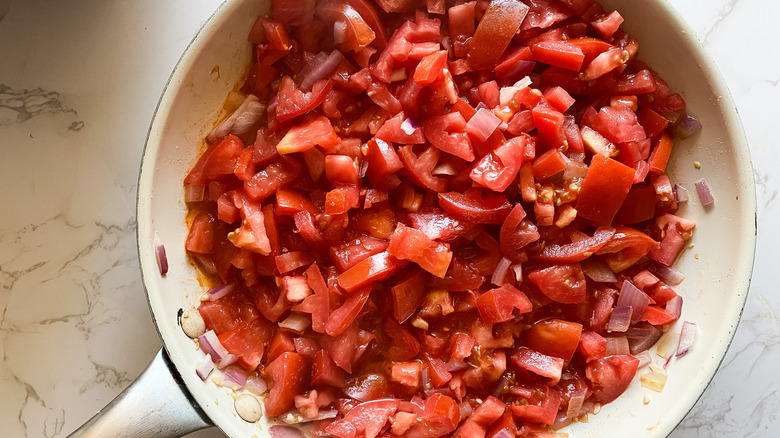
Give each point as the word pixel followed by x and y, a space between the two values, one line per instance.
pixel 79 81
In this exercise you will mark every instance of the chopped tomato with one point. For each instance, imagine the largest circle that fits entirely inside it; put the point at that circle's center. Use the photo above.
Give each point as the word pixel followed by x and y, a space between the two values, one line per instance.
pixel 554 337
pixel 472 207
pixel 314 130
pixel 610 376
pixel 561 283
pixel 287 378
pixel 605 188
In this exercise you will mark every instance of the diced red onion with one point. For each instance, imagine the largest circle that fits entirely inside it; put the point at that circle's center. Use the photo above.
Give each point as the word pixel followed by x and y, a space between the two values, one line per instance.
pixel 705 194
pixel 408 126
pixel 220 291
pixel 687 336
pixel 674 306
pixel 501 386
pixel 206 265
pixel 668 274
pixel 446 169
pixel 644 358
pixel 285 432
pixel 598 270
pixel 631 296
pixel 256 386
pixel 500 273
pixel 226 361
pixel 363 169
pixel 617 345
pixel 209 343
pixel 339 32
pixel 681 193
pixel 320 67
pixel 503 433
pixel 456 365
pixel 688 126
pixel 204 367
pixel 642 336
pixel 503 126
pixel 465 410
pixel 194 192
pixel 325 414
pixel 296 323
pixel 668 361
pixel 524 82
pixel 575 403
pixel 483 123
pixel 398 74
pixel 234 377
pixel 506 94
pixel 162 258
pixel 518 270
pixel 620 320
pixel 246 116
pixel 425 378
pixel 480 106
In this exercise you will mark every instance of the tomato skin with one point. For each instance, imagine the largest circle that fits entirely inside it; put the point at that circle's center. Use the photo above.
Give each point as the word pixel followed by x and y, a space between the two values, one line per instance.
pixel 562 283
pixel 437 225
pixel 576 251
pixel 494 32
pixel 549 123
pixel 548 164
pixel 201 236
pixel 293 102
pixel 404 346
pixel 544 412
pixel 606 186
pixel 610 376
pixel 473 208
pixel 279 174
pixel 287 375
pixel 499 168
pixel 542 365
pixel 592 345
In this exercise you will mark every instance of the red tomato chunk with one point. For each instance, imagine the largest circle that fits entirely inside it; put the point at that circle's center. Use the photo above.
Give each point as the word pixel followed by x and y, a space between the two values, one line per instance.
pixel 429 226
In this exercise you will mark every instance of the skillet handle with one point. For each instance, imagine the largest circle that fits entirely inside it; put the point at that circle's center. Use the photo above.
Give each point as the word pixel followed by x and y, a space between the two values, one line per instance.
pixel 157 405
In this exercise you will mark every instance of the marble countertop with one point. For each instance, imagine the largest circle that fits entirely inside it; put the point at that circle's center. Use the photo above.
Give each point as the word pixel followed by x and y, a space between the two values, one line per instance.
pixel 79 81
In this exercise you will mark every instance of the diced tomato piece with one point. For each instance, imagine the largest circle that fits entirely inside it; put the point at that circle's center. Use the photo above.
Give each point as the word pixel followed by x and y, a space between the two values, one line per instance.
pixel 447 133
pixel 407 295
pixel 251 234
pixel 549 125
pixel 419 168
pixel 293 12
pixel 292 260
pixel 341 199
pixel 438 225
pixel 542 408
pixel 498 169
pixel 412 244
pixel 375 268
pixel 542 365
pixel 393 131
pixel 431 68
pixel 554 337
pixel 279 174
pixel 293 102
pixel 366 419
pixel 561 283
pixel 342 317
pixel 407 374
pixel 495 31
pixel 548 164
pixel 497 305
pixel 610 376
pixel 248 342
pixel 315 129
pixel 558 53
pixel 660 155
pixel 382 159
pixel 604 189
pixel 655 315
pixel 201 236
pixel 287 378
pixel 592 345
pixel 348 254
pixel 461 26
pixel 289 202
pixel 404 346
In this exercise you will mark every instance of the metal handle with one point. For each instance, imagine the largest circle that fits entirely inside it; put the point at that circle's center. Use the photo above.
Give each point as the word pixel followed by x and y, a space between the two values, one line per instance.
pixel 156 405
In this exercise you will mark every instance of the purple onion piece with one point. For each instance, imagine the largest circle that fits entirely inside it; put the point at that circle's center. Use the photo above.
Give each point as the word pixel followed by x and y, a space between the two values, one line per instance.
pixel 234 377
pixel 204 367
pixel 674 306
pixel 194 192
pixel 620 320
pixel 704 191
pixel 632 296
pixel 162 258
pixel 687 126
pixel 220 291
pixel 687 336
pixel 285 432
pixel 575 403
pixel 499 277
pixel 209 343
pixel 483 123
pixel 669 275
pixel 681 193
pixel 644 358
